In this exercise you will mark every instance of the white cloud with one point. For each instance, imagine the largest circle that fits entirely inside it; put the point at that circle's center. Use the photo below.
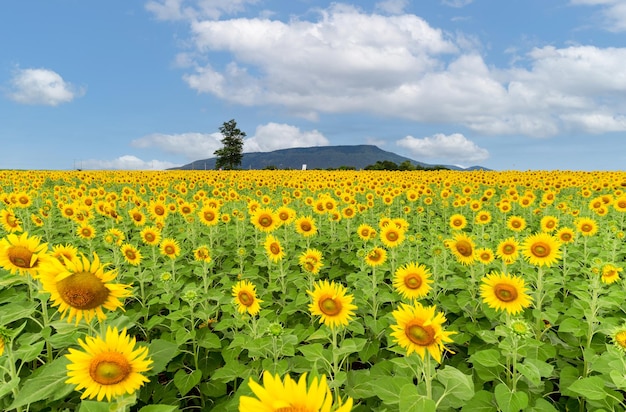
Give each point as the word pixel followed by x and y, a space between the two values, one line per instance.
pixel 182 9
pixel 191 145
pixel 392 6
pixel 126 162
pixel 41 87
pixel 274 136
pixel 454 147
pixel 612 13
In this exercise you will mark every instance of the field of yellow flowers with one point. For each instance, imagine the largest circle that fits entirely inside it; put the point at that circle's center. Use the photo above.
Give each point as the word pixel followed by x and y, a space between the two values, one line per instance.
pixel 312 291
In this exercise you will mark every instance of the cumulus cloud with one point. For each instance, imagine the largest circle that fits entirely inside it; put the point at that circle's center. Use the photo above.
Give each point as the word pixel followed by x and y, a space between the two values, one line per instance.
pixel 268 137
pixel 612 13
pixel 274 136
pixel 392 6
pixel 41 87
pixel 182 9
pixel 126 162
pixel 454 147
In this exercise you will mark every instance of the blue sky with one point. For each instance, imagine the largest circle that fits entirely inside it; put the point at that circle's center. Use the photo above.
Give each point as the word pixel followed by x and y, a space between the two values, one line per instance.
pixel 121 84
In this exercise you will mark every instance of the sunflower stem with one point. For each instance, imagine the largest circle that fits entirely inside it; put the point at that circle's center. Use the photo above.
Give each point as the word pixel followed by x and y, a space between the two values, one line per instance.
pixel 335 348
pixel 428 379
pixel 539 300
pixel 374 300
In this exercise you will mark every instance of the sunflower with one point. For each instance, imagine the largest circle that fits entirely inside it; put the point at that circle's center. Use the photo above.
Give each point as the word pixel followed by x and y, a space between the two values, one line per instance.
pixel 508 250
pixel 276 395
pixel 541 249
pixel 565 235
pixel 412 281
pixel 502 291
pixel 306 226
pixel 311 261
pixel 244 294
pixel 158 210
pixel 462 247
pixel 150 235
pixel 170 248
pixel 516 223
pixel 548 223
pixel 137 216
pixel 202 254
pixel 331 303
pixel 9 221
pixel 620 203
pixel 458 221
pixel 132 255
pixel 264 219
pixel 483 217
pixel 348 212
pixel 285 215
pixel 618 336
pixel 586 226
pixel 23 254
pixel 610 273
pixel 86 231
pixel 364 230
pixel 209 215
pixel 376 257
pixel 114 236
pixel 419 329
pixel 273 248
pixel 485 255
pixel 108 367
pixel 82 288
pixel 64 253
pixel 391 236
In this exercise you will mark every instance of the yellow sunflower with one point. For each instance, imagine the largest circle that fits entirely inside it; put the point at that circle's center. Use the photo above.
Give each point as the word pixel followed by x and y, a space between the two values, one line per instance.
pixel 462 247
pixel 412 281
pixel 114 236
pixel 502 291
pixel 285 215
pixel 23 254
pixel 81 289
pixel 202 254
pixel 273 248
pixel 566 235
pixel 244 294
pixel 485 255
pixel 306 226
pixel 364 231
pixel 516 223
pixel 209 215
pixel 618 336
pixel 264 219
pixel 458 221
pixel 541 249
pixel 311 261
pixel 331 303
pixel 137 216
pixel 170 248
pixel 150 235
pixel 132 255
pixel 64 253
pixel 548 223
pixel 419 329
pixel 9 221
pixel 288 396
pixel 610 273
pixel 391 236
pixel 586 226
pixel 86 231
pixel 108 367
pixel 376 257
pixel 483 217
pixel 508 250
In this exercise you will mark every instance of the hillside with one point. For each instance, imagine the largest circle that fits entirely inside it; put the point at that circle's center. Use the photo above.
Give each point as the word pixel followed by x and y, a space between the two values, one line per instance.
pixel 318 157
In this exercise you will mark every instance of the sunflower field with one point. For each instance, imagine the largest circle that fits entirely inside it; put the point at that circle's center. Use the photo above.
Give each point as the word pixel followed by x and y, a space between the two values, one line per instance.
pixel 312 291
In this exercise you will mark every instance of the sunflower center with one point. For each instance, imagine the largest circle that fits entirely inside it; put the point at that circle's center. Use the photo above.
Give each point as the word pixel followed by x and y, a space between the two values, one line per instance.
pixel 508 249
pixel 265 221
pixel 516 224
pixel 566 237
pixel 293 409
pixel 392 236
pixel 109 368
pixel 150 237
pixel 413 281
pixel 550 224
pixel 170 250
pixel 464 248
pixel 306 227
pixel 330 306
pixel 505 293
pixel 457 222
pixel 540 249
pixel 20 256
pixel 245 298
pixel 586 227
pixel 158 210
pixel 83 290
pixel 137 217
pixel 275 248
pixel 420 335
pixel 283 216
pixel 130 254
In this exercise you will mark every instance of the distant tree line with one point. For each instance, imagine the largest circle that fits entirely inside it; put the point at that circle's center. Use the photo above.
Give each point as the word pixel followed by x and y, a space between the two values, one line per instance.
pixel 404 166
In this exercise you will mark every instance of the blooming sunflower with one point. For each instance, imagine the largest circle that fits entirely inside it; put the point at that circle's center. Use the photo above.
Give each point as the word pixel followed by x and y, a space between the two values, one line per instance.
pixel 86 231
pixel 170 248
pixel 419 329
pixel 306 226
pixel 331 303
pixel 108 367
pixel 209 215
pixel 548 223
pixel 23 254
pixel 565 235
pixel 132 255
pixel 273 248
pixel 516 223
pixel 285 215
pixel 483 217
pixel 412 281
pixel 311 261
pixel 364 231
pixel 9 221
pixel 610 273
pixel 586 226
pixel 458 221
pixel 541 249
pixel 502 291
pixel 508 250
pixel 462 247
pixel 150 235
pixel 485 255
pixel 264 219
pixel 114 236
pixel 244 294
pixel 618 336
pixel 376 257
pixel 391 236
pixel 202 254
pixel 81 289
pixel 289 396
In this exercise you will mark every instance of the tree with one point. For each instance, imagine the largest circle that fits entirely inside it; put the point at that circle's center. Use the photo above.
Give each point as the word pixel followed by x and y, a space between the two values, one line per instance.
pixel 230 155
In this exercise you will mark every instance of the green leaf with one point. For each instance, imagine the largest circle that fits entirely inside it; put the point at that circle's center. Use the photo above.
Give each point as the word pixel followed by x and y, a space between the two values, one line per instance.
pixel 530 372
pixel 161 352
pixel 208 340
pixel 618 379
pixel 93 406
pixel 47 383
pixel 488 358
pixel 186 381
pixel 349 346
pixel 458 386
pixel 542 405
pixel 574 326
pixel 411 401
pixel 591 388
pixel 230 372
pixel 481 402
pixel 14 311
pixel 159 408
pixel 510 401
pixel 27 353
pixel 388 388
pixel 314 352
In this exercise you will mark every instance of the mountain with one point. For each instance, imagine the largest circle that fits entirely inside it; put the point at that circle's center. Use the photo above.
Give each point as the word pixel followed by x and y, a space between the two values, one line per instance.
pixel 317 157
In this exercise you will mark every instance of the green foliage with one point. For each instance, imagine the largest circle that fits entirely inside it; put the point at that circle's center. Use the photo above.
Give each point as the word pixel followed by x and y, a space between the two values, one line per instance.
pixel 230 155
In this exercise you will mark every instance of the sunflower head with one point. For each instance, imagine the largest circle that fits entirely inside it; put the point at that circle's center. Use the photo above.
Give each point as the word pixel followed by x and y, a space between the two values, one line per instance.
pixel 462 247
pixel 541 249
pixel 273 248
pixel 311 261
pixel 331 302
pixel 412 281
pixel 376 257
pixel 505 292
pixel 244 294
pixel 610 273
pixel 24 254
